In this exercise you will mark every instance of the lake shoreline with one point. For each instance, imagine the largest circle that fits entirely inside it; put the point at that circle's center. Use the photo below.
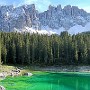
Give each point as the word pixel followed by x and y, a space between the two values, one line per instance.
pixel 66 68
pixel 32 69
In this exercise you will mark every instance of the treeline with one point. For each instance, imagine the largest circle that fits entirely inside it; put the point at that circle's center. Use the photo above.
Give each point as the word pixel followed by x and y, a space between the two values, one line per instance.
pixel 63 49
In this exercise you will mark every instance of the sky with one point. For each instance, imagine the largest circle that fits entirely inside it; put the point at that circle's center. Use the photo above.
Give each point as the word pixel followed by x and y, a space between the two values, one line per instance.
pixel 42 5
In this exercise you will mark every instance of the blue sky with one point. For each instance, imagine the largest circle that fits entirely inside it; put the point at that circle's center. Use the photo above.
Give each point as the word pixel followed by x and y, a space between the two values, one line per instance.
pixel 42 5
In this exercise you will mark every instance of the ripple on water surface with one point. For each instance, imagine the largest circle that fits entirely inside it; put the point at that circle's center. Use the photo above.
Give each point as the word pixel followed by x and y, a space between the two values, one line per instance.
pixel 48 81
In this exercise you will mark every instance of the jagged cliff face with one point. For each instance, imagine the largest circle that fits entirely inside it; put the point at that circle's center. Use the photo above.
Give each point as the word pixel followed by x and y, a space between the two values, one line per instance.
pixel 27 17
pixel 67 17
pixel 17 18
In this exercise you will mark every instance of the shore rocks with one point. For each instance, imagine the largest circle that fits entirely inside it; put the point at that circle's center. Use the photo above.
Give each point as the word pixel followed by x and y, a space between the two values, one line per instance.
pixel 2 88
pixel 3 75
pixel 28 74
pixel 15 72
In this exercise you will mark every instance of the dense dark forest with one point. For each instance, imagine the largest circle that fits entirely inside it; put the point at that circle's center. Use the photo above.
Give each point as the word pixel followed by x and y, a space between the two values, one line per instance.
pixel 63 49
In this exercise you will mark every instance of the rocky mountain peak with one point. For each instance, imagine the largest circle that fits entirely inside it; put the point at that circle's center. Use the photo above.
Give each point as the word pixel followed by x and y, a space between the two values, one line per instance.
pixel 59 8
pixel 54 18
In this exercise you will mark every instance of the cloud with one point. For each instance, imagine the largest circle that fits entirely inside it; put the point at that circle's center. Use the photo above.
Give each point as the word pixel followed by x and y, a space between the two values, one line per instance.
pixel 3 2
pixel 84 5
pixel 41 5
pixel 87 8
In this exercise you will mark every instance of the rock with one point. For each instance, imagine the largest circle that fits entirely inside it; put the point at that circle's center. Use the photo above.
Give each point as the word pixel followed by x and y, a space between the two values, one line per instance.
pixel 2 88
pixel 67 10
pixel 28 74
pixel 59 8
pixel 15 72
pixel 16 19
pixel 2 75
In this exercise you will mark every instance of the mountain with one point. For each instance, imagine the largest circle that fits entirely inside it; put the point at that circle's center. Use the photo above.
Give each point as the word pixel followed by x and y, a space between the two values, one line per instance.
pixel 55 20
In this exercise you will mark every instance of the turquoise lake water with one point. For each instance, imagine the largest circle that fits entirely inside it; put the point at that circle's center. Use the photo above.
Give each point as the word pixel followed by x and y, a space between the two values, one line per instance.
pixel 48 81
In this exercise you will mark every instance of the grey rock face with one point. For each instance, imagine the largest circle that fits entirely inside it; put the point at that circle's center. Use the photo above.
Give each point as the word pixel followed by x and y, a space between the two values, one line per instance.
pixel 67 11
pixel 28 74
pixel 67 17
pixel 18 18
pixel 55 17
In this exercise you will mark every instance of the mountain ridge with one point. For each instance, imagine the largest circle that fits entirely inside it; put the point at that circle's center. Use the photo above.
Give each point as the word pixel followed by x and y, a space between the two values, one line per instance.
pixel 56 19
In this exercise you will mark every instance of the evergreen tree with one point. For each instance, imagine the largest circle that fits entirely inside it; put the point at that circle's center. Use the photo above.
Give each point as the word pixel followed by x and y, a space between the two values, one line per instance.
pixel 0 48
pixel 26 48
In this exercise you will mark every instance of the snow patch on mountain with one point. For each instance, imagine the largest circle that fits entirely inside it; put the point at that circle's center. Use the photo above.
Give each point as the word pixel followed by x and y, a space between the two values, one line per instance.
pixel 46 30
pixel 79 29
pixel 33 30
pixel 73 30
pixel 55 20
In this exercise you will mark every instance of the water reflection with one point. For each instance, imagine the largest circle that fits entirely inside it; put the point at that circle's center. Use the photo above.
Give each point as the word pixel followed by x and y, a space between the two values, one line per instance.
pixel 50 81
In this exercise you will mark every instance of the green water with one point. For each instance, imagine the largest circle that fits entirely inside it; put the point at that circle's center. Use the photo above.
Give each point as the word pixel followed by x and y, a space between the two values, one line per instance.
pixel 48 81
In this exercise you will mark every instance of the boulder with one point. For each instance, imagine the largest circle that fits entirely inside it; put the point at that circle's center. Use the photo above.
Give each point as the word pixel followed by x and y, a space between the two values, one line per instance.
pixel 28 74
pixel 2 88
pixel 2 75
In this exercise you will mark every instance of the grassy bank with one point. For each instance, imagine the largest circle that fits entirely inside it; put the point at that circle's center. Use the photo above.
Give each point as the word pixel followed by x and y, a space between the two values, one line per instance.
pixel 33 69
pixel 7 69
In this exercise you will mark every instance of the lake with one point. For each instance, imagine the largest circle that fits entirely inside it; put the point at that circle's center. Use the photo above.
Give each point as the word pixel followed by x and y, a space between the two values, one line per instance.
pixel 48 81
